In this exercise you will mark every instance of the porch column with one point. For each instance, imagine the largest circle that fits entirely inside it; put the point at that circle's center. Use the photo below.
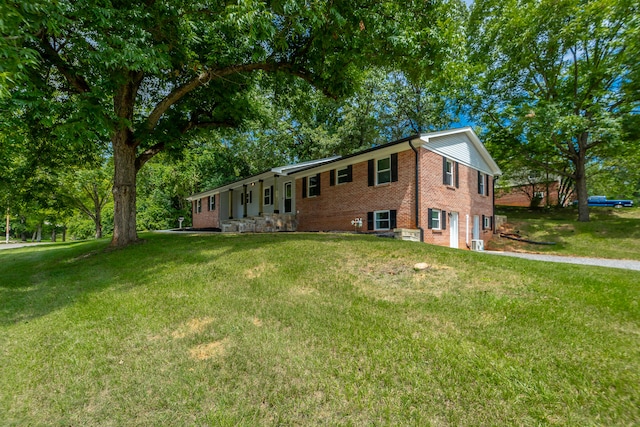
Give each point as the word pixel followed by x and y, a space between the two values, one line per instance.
pixel 275 195
pixel 246 202
pixel 260 197
pixel 230 203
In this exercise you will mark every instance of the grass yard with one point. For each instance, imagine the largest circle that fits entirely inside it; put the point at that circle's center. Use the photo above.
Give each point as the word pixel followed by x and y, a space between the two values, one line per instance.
pixel 611 233
pixel 312 329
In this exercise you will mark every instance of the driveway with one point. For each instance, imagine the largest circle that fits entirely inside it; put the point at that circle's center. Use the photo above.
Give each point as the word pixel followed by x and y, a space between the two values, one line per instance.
pixel 599 262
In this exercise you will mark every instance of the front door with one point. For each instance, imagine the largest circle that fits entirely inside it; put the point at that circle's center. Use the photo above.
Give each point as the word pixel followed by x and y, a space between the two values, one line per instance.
pixel 288 194
pixel 476 227
pixel 453 230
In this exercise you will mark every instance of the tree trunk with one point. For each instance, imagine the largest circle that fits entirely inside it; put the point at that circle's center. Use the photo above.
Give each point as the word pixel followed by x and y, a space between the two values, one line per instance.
pixel 124 162
pixel 64 233
pixel 581 181
pixel 124 191
pixel 97 220
pixel 53 235
pixel 98 224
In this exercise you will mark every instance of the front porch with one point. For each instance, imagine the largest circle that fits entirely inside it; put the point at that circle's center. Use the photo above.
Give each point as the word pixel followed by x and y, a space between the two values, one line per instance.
pixel 265 223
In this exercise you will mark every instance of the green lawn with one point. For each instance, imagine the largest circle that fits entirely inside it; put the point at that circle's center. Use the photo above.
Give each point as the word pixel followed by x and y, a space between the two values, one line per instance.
pixel 611 233
pixel 312 329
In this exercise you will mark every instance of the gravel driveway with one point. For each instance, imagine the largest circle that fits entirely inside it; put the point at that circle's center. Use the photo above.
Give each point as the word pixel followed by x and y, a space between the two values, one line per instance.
pixel 599 262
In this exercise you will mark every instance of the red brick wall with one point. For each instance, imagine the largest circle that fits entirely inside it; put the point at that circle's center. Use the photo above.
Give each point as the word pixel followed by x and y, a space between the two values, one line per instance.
pixel 465 200
pixel 339 204
pixel 206 218
pixel 521 195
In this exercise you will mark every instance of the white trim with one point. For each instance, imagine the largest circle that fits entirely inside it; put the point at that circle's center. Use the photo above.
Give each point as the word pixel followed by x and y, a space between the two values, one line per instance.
pixel 346 175
pixel 375 220
pixel 314 176
pixel 378 171
pixel 439 211
pixel 487 223
pixel 453 172
pixel 284 196
pixel 264 196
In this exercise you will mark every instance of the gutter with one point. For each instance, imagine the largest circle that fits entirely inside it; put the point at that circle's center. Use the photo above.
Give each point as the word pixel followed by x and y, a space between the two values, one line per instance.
pixel 417 191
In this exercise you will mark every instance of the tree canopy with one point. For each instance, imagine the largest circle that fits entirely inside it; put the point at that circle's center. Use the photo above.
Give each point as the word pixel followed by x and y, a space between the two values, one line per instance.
pixel 150 74
pixel 554 80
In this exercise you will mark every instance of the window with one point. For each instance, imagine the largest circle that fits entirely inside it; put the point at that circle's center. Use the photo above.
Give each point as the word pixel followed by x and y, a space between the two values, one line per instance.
pixel 267 196
pixel 344 175
pixel 448 172
pixel 486 222
pixel 383 171
pixel 481 181
pixel 434 219
pixel 383 220
pixel 198 206
pixel 212 203
pixel 313 187
pixel 288 195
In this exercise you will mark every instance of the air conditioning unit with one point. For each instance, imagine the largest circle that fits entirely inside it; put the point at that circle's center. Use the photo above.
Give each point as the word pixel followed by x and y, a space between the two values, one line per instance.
pixel 477 245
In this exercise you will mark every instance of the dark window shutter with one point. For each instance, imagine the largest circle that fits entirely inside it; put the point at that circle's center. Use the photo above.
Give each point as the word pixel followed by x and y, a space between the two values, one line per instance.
pixel 429 223
pixel 304 187
pixel 332 177
pixel 250 196
pixel 242 198
pixel 317 184
pixel 443 219
pixel 349 173
pixel 392 219
pixel 371 173
pixel 369 220
pixel 479 182
pixel 457 179
pixel 486 186
pixel 444 170
pixel 491 223
pixel 209 203
pixel 483 222
pixel 394 167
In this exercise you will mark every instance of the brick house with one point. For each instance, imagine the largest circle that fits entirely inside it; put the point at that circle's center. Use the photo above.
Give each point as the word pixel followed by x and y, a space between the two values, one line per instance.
pixel 535 191
pixel 435 187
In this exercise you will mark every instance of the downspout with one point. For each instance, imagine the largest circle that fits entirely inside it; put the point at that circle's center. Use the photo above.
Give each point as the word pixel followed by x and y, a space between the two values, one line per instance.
pixel 493 222
pixel 417 191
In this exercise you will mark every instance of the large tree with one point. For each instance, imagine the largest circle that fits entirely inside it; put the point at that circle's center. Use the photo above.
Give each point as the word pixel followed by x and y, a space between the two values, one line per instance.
pixel 558 77
pixel 151 73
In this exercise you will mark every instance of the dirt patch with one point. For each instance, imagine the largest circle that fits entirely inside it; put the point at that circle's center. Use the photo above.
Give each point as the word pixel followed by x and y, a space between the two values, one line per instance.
pixel 258 271
pixel 302 291
pixel 209 350
pixel 192 327
pixel 256 322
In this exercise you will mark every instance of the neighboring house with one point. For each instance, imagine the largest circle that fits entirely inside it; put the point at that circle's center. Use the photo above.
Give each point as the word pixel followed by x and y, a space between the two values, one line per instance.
pixel 533 192
pixel 438 184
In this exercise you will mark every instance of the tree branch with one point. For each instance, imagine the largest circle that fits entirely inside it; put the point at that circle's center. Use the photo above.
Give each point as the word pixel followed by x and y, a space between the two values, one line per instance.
pixel 69 72
pixel 148 154
pixel 206 76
